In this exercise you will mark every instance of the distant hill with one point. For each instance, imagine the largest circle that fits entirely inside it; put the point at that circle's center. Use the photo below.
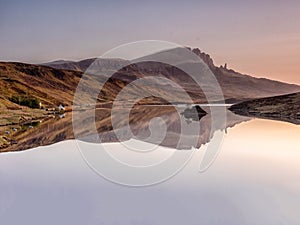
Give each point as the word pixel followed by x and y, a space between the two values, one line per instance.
pixel 51 86
pixel 236 86
pixel 82 65
pixel 284 108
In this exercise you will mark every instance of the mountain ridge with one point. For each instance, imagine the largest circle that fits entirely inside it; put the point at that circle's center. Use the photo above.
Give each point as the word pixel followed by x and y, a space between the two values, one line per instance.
pixel 236 86
pixel 53 85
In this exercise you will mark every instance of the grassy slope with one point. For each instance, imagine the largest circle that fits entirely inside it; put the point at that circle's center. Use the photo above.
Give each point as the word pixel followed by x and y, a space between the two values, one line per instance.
pixel 49 85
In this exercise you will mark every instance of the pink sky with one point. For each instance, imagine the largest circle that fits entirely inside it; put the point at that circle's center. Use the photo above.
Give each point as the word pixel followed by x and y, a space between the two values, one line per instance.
pixel 260 38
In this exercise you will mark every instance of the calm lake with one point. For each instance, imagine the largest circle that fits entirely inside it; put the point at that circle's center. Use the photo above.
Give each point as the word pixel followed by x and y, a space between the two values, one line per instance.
pixel 253 180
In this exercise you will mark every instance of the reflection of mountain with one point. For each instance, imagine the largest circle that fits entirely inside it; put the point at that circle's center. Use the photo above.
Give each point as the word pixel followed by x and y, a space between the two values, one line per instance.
pixel 284 108
pixel 194 132
pixel 54 130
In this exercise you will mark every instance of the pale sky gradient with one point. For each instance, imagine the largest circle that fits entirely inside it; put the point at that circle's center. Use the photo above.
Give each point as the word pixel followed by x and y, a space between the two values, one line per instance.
pixel 260 38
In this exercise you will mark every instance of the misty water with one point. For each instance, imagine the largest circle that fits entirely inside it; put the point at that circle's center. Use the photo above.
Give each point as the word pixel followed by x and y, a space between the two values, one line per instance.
pixel 253 180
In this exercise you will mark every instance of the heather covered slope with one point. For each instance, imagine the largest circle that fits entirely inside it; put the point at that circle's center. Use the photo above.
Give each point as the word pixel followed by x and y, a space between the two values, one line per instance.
pixel 51 86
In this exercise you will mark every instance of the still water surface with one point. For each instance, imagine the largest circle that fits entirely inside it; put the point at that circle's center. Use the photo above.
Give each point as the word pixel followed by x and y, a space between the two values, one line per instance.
pixel 254 180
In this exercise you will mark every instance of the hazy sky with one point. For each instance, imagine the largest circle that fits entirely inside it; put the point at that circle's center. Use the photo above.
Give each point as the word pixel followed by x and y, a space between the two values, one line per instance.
pixel 260 38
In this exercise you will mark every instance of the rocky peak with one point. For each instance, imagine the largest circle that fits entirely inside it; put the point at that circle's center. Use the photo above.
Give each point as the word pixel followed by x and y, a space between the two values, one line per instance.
pixel 205 57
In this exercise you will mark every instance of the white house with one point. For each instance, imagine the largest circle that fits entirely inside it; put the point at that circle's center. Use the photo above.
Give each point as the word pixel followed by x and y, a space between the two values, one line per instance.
pixel 61 107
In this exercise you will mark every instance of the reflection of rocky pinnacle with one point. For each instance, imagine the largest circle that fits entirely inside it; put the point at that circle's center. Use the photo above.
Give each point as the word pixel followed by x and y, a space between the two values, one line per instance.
pixel 100 158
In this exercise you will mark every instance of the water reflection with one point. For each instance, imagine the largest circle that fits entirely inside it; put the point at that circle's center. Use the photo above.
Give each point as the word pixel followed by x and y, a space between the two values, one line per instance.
pixel 53 130
pixel 255 180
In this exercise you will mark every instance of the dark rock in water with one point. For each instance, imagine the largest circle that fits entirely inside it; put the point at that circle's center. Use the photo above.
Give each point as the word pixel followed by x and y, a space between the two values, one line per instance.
pixel 194 113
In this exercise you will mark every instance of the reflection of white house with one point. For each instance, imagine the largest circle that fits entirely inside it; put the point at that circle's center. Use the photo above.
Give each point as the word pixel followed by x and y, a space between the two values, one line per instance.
pixel 61 107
